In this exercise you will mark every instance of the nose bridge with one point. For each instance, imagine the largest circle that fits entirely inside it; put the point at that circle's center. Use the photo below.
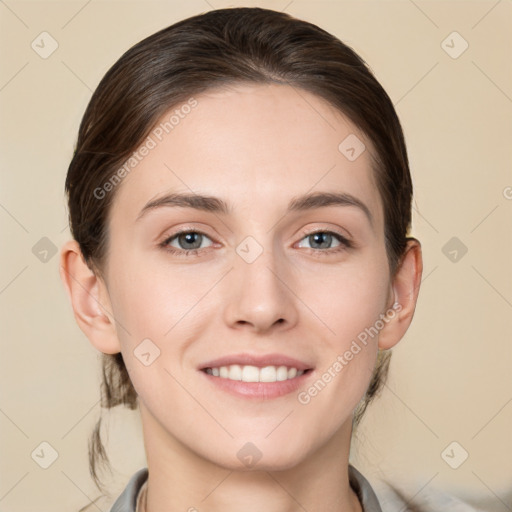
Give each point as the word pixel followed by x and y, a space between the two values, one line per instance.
pixel 258 264
pixel 259 295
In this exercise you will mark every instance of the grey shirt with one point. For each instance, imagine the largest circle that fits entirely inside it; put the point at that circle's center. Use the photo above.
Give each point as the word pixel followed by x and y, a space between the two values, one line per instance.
pixel 127 501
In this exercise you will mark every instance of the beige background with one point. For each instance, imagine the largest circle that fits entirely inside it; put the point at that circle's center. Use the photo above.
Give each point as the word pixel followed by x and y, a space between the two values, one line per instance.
pixel 450 377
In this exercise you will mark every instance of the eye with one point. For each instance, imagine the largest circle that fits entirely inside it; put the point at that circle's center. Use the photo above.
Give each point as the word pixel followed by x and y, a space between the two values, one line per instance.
pixel 188 242
pixel 319 240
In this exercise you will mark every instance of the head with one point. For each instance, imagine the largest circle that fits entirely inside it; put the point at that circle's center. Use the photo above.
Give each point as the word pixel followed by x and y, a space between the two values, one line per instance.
pixel 256 108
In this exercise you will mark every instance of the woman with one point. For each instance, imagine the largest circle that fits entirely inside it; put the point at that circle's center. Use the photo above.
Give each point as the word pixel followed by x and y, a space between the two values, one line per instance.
pixel 267 145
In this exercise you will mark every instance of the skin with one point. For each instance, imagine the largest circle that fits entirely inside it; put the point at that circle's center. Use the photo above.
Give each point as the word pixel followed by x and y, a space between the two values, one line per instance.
pixel 256 147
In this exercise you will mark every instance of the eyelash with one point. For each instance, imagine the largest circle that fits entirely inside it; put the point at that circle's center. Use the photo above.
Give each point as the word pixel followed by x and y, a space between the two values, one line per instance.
pixel 344 243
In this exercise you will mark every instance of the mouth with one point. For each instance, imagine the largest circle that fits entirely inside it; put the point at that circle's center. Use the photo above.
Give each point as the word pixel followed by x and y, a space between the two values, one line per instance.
pixel 257 376
pixel 249 373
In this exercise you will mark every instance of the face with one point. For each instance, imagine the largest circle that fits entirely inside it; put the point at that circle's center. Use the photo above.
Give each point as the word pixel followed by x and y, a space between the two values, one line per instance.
pixel 267 281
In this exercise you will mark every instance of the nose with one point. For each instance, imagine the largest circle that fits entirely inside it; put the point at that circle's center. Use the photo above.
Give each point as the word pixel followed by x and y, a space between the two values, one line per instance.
pixel 260 294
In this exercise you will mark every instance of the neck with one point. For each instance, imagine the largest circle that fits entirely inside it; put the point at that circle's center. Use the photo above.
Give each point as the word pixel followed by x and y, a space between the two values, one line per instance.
pixel 180 480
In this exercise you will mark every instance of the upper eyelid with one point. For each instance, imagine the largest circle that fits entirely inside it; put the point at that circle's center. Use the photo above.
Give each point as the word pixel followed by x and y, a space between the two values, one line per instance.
pixel 186 231
pixel 327 230
pixel 344 240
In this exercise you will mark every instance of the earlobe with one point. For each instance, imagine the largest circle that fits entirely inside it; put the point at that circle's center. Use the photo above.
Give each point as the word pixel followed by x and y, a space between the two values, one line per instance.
pixel 89 299
pixel 406 285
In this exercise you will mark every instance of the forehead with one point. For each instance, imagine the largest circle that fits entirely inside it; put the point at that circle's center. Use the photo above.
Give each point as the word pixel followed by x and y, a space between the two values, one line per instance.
pixel 251 144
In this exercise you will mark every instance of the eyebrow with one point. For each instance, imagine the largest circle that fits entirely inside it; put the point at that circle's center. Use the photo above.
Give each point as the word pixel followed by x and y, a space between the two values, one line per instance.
pixel 213 204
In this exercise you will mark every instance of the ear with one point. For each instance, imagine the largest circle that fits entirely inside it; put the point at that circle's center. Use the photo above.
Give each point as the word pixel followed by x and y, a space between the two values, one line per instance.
pixel 89 298
pixel 405 287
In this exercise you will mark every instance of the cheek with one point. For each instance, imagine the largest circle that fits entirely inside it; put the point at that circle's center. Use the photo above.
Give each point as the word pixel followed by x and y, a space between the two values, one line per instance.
pixel 350 308
pixel 151 308
pixel 347 299
pixel 152 300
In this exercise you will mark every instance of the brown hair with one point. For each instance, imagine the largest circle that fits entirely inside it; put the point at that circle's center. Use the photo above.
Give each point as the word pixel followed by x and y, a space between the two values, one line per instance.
pixel 225 46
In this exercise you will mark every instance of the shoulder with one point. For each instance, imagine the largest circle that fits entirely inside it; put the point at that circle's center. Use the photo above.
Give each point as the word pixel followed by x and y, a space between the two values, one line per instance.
pixel 364 490
pixel 393 498
pixel 127 501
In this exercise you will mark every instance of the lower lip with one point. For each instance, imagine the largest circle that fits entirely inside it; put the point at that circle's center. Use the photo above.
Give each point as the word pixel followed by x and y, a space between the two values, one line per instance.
pixel 258 390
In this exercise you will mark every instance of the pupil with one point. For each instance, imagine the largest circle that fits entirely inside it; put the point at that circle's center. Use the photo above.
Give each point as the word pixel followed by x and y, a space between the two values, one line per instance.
pixel 189 239
pixel 320 236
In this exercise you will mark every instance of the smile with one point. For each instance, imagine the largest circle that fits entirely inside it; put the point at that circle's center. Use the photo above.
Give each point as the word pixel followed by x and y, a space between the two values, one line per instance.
pixel 248 373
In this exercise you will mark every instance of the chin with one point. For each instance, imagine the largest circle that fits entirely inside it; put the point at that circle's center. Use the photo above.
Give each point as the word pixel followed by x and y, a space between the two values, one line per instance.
pixel 260 455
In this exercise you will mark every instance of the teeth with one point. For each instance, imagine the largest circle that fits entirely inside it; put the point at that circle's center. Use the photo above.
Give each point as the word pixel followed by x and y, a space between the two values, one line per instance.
pixel 235 372
pixel 268 374
pixel 282 373
pixel 250 374
pixel 254 374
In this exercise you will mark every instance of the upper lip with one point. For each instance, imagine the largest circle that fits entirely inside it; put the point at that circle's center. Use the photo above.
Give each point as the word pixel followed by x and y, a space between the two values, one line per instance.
pixel 256 360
